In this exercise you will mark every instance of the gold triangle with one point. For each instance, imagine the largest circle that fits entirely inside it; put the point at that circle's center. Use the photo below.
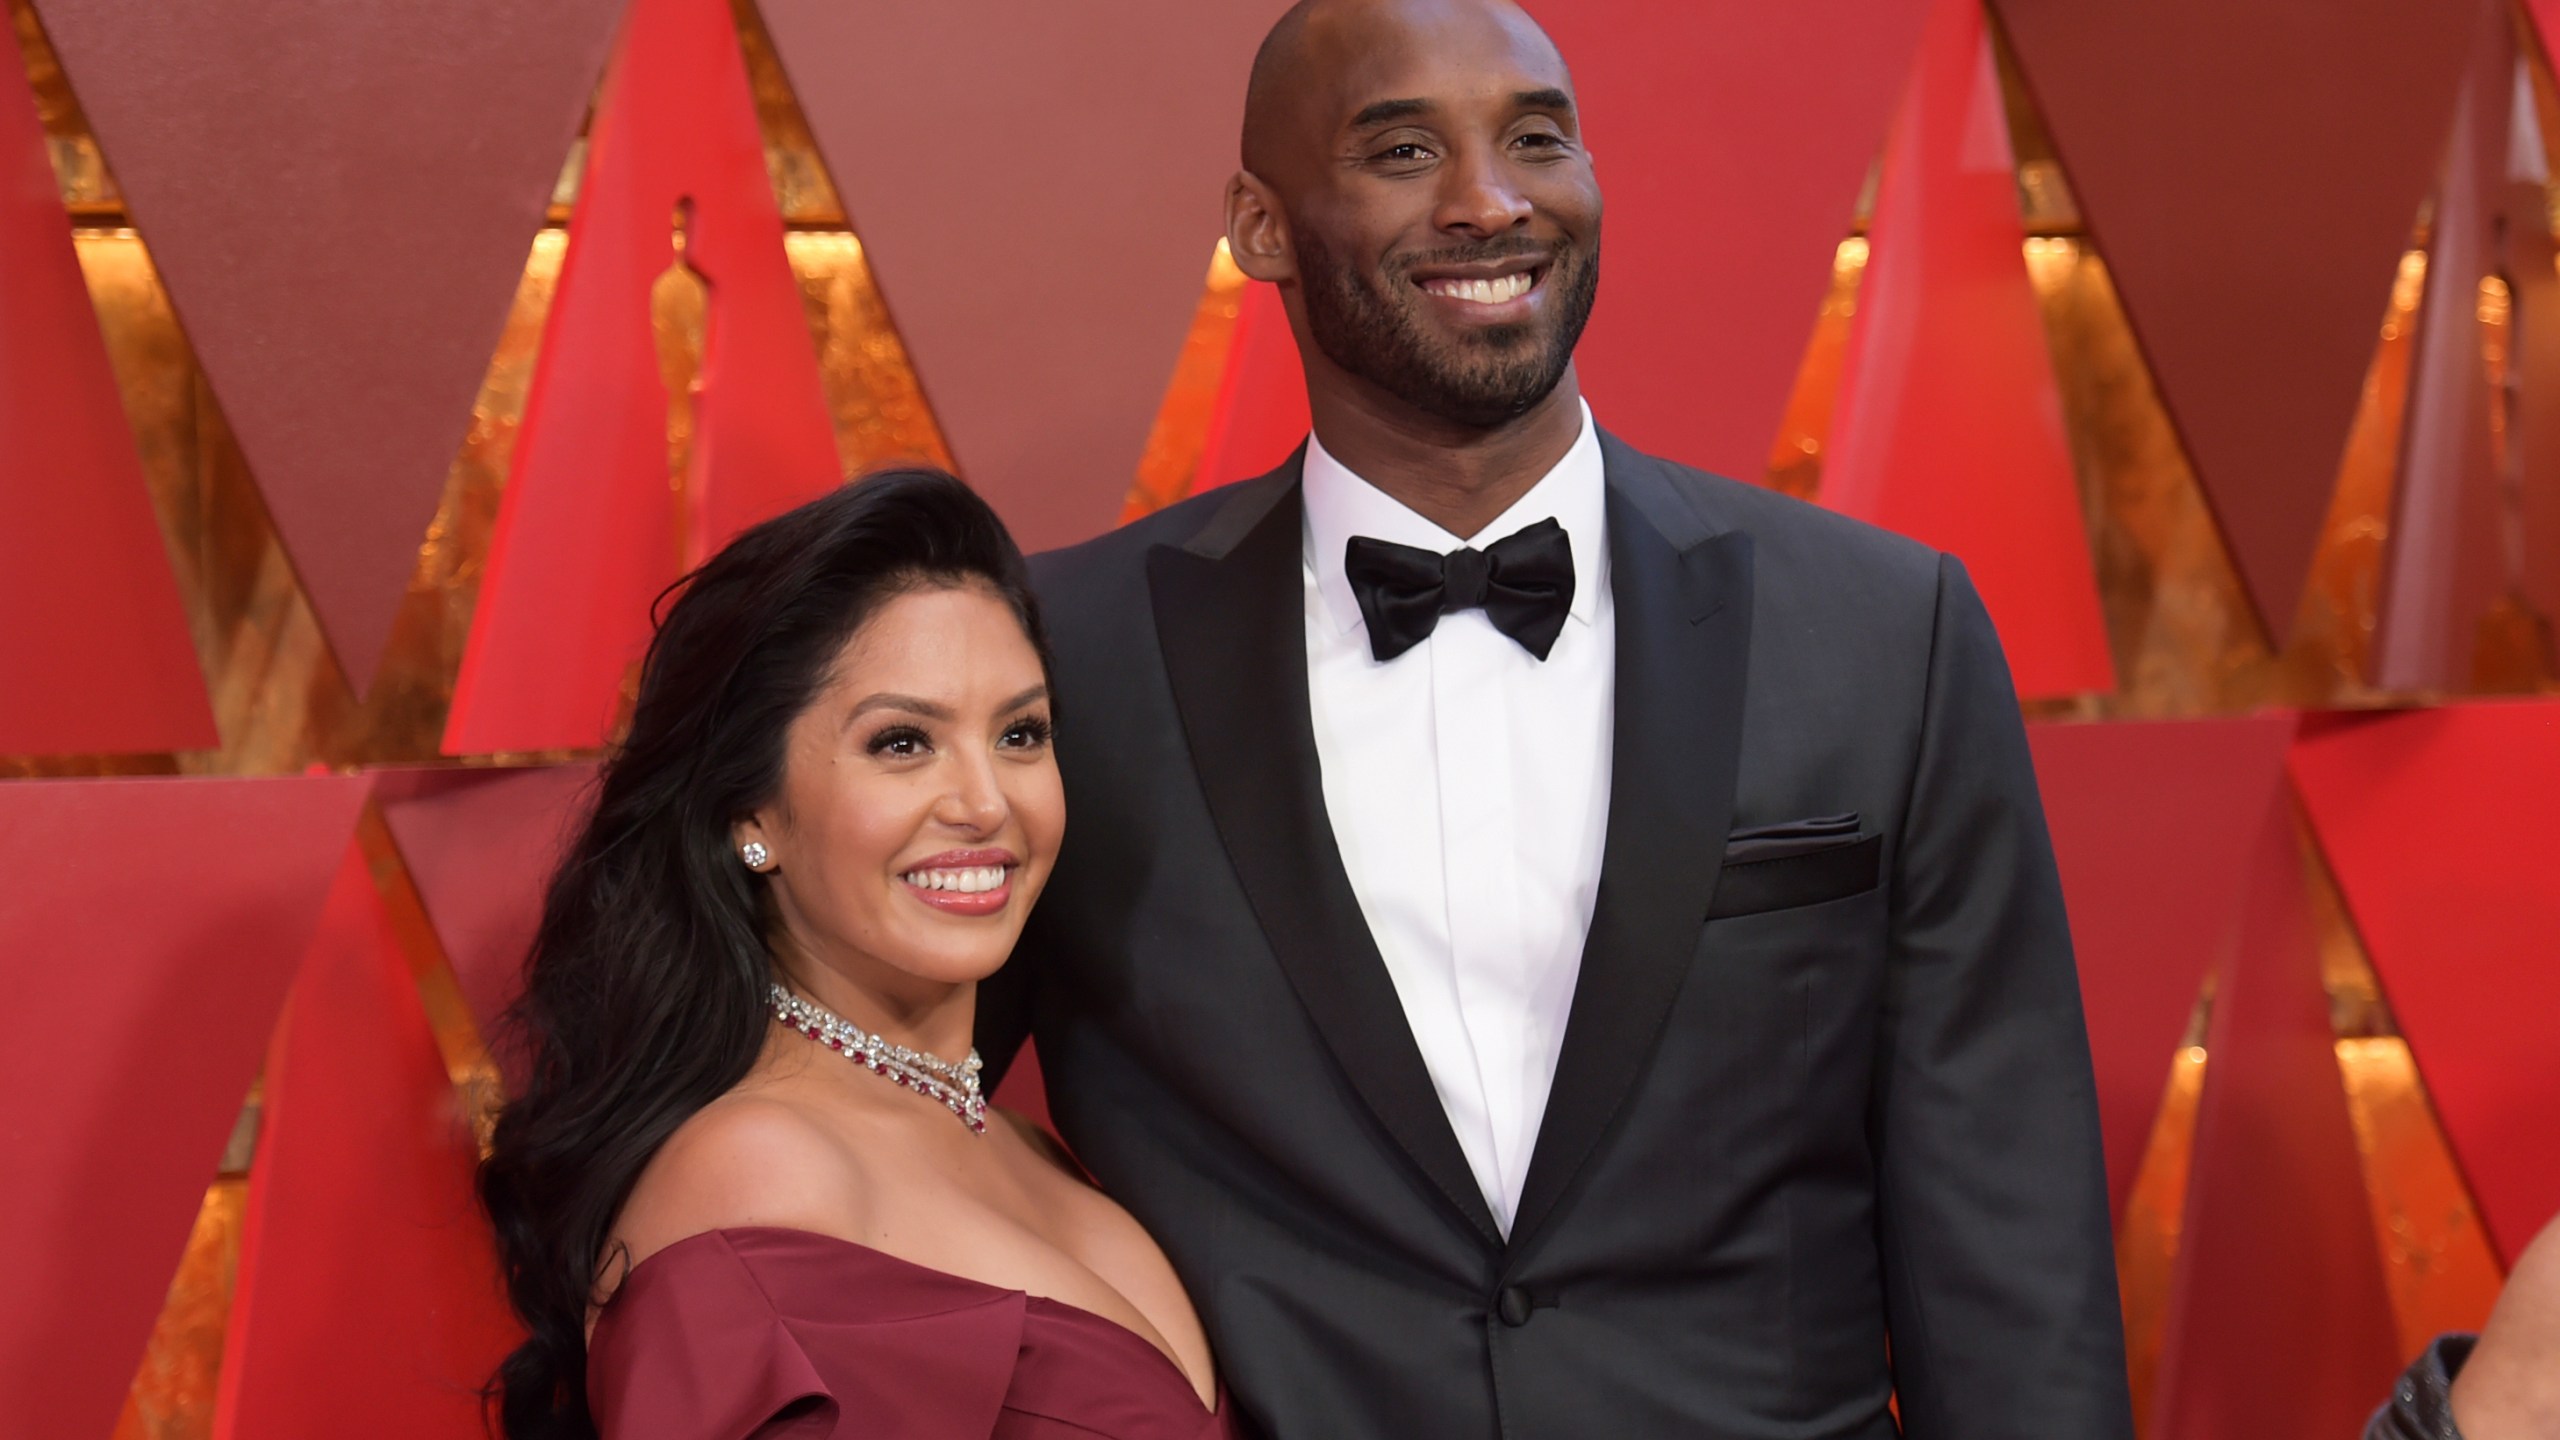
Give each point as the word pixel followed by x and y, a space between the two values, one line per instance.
pixel 458 1038
pixel 878 403
pixel 2437 1260
pixel 1181 430
pixel 1804 427
pixel 174 1387
pixel 2155 1212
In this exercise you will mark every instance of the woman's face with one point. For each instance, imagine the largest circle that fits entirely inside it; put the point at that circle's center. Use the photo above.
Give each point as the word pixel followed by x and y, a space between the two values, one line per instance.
pixel 920 807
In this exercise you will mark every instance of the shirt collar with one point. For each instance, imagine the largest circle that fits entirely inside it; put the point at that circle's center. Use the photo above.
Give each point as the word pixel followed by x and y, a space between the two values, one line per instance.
pixel 1339 505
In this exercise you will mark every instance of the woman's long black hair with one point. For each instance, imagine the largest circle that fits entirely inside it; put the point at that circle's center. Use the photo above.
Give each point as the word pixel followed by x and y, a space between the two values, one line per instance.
pixel 645 993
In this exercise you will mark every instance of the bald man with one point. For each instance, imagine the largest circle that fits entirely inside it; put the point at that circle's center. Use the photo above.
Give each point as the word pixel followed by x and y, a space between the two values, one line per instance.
pixel 1552 943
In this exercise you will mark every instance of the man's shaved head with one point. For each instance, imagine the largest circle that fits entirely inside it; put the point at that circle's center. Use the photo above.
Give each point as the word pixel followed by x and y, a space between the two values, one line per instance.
pixel 1415 182
pixel 1274 67
pixel 1305 44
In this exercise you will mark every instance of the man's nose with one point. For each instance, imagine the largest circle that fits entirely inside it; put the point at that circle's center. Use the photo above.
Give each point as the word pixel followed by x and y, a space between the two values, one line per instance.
pixel 1480 196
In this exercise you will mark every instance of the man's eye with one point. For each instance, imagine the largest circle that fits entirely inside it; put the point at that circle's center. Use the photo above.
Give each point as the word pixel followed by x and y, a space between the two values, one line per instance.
pixel 903 742
pixel 1404 153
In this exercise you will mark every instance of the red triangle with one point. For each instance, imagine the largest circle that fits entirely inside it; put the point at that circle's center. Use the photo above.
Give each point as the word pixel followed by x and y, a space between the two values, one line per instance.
pixel 141 1037
pixel 1261 411
pixel 367 1284
pixel 339 198
pixel 2436 823
pixel 93 635
pixel 1111 130
pixel 1949 428
pixel 2140 812
pixel 2279 1322
pixel 2546 20
pixel 2443 565
pixel 1025 1091
pixel 1732 137
pixel 2250 172
pixel 586 535
pixel 480 845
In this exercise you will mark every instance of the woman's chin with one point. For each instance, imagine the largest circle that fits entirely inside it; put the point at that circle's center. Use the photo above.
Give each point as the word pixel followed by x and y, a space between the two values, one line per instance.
pixel 952 960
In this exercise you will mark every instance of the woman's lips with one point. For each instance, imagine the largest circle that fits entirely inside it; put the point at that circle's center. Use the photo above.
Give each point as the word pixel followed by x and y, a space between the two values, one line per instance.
pixel 963 882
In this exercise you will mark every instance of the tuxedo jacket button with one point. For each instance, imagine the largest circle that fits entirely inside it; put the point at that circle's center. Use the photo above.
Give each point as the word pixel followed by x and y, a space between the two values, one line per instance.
pixel 1513 1306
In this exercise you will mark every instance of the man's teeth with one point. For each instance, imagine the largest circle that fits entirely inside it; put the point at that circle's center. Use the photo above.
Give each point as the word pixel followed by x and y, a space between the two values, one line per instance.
pixel 976 880
pixel 1484 292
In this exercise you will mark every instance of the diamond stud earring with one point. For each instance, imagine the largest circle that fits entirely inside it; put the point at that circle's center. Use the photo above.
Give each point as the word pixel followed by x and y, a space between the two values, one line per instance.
pixel 754 853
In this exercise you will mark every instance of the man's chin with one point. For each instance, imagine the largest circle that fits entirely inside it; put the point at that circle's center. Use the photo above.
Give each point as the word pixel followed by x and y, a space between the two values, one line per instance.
pixel 1506 390
pixel 1480 377
pixel 1510 344
pixel 1482 408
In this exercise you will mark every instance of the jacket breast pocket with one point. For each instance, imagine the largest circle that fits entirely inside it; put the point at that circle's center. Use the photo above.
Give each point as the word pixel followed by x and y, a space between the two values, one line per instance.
pixel 1801 863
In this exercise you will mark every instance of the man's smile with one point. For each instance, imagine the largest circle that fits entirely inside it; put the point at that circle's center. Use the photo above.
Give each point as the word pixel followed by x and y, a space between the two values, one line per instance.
pixel 1493 291
pixel 1484 292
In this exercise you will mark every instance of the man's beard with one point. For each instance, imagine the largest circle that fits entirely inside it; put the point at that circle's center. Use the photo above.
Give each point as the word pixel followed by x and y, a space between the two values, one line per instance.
pixel 1481 380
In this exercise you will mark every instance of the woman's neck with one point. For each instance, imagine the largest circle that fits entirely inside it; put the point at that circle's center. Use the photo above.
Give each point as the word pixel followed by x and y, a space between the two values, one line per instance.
pixel 935 1017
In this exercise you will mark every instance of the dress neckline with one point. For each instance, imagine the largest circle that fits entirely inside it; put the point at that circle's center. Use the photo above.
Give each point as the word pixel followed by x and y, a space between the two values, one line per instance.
pixel 1066 1309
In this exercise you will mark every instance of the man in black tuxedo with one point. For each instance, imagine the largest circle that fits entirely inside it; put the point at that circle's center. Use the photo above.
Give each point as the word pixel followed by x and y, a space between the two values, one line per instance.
pixel 1551 942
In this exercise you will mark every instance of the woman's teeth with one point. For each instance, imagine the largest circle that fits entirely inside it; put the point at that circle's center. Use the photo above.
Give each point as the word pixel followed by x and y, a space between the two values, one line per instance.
pixel 1484 292
pixel 976 880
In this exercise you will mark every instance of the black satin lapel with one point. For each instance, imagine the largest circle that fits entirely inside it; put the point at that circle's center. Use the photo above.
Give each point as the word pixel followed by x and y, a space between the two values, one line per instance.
pixel 1230 616
pixel 1684 637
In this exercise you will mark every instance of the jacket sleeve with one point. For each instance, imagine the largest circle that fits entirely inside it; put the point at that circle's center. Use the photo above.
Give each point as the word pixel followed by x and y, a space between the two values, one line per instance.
pixel 1998 1253
pixel 1006 1003
pixel 2421 1405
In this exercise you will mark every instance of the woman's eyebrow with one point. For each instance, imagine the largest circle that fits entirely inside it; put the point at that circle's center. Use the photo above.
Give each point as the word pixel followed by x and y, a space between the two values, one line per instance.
pixel 889 701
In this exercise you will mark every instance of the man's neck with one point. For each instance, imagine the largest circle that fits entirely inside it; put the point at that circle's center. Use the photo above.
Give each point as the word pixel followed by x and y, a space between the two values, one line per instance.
pixel 1458 477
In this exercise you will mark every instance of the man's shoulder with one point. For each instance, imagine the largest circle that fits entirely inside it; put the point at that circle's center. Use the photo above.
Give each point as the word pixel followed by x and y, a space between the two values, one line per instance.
pixel 1792 539
pixel 1118 557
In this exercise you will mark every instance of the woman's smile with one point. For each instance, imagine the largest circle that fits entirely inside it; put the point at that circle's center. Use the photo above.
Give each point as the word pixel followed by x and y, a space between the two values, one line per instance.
pixel 963 882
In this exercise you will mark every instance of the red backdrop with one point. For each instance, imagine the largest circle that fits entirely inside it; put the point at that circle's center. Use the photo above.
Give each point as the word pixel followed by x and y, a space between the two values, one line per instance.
pixel 339 204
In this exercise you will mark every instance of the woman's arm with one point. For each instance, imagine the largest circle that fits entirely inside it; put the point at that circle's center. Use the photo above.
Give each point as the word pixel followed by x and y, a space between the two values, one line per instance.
pixel 2510 1387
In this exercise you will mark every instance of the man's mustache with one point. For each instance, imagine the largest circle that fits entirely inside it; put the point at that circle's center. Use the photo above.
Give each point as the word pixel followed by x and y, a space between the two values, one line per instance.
pixel 1488 253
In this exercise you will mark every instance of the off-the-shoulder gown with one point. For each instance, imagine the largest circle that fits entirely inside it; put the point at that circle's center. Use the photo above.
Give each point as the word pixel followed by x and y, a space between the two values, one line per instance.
pixel 761 1334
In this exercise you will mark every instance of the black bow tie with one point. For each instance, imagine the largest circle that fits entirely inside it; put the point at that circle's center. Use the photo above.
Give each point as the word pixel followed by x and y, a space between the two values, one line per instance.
pixel 1524 585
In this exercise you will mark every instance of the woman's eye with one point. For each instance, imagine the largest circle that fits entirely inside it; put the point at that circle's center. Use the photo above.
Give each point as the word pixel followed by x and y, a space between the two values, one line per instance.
pixel 902 742
pixel 1025 735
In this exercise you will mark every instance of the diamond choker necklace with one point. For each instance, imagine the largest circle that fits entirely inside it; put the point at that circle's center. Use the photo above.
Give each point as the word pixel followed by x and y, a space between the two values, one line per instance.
pixel 956 1086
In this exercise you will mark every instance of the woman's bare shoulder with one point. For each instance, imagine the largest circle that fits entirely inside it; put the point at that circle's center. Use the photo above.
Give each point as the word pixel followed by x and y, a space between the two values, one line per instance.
pixel 1045 1146
pixel 744 1160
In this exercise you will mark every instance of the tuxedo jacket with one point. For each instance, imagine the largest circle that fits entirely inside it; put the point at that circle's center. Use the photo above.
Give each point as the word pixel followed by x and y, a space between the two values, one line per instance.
pixel 1823 1132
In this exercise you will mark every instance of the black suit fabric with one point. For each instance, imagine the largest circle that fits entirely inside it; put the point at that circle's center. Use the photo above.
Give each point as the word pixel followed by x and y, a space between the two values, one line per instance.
pixel 1823 1131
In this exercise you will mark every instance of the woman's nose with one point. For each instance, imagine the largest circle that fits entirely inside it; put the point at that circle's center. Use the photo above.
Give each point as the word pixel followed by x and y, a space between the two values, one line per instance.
pixel 974 801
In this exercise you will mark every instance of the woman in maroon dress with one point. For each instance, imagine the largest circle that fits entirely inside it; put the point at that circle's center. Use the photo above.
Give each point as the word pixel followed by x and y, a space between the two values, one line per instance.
pixel 750 1186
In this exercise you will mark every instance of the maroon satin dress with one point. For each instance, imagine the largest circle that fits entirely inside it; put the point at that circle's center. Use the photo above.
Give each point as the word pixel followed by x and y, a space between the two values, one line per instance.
pixel 770 1333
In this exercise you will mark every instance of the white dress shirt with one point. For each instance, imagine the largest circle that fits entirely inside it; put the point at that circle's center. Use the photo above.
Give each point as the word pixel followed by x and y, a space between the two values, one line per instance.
pixel 1468 786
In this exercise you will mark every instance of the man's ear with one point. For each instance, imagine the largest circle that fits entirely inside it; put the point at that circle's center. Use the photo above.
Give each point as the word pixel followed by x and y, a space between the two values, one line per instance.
pixel 1257 233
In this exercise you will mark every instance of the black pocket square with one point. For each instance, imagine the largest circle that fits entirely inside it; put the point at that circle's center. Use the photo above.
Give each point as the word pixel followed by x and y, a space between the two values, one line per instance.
pixel 1798 862
pixel 1790 837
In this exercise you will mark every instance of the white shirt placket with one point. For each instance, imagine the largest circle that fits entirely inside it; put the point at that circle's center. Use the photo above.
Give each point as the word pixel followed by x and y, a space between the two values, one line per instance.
pixel 1472 734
